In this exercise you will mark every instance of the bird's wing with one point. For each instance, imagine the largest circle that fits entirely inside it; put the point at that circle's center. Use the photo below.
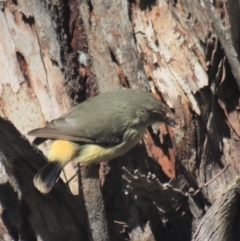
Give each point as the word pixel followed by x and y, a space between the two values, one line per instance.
pixel 59 129
pixel 102 124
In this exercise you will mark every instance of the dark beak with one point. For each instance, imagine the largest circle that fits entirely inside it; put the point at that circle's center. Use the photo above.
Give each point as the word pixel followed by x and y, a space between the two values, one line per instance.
pixel 166 118
pixel 169 121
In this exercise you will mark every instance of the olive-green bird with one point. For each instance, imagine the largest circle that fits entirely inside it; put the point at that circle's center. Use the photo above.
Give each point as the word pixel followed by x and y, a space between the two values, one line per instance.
pixel 99 129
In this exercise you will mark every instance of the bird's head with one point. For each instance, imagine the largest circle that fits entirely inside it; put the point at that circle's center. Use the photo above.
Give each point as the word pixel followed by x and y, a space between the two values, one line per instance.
pixel 151 111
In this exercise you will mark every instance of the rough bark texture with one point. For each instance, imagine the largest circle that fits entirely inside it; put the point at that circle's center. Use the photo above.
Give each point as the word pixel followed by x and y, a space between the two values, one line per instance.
pixel 27 214
pixel 55 54
pixel 218 222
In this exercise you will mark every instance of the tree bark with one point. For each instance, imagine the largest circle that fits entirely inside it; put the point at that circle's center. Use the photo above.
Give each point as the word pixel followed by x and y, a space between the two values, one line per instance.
pixel 55 54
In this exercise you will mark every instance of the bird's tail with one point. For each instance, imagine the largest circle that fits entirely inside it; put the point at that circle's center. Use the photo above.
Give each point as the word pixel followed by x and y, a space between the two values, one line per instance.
pixel 47 176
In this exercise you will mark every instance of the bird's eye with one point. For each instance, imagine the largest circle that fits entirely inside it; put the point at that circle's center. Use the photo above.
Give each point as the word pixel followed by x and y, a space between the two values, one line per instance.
pixel 154 113
pixel 144 111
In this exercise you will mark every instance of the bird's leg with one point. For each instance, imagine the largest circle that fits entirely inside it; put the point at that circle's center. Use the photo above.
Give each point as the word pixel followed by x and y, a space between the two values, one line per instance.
pixel 69 180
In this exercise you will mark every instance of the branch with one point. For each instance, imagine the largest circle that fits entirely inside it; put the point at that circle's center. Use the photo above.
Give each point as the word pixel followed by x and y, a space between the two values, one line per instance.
pixel 211 180
pixel 28 212
pixel 226 41
pixel 218 222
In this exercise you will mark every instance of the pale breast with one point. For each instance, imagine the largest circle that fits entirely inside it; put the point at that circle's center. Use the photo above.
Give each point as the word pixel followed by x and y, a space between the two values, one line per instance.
pixel 92 153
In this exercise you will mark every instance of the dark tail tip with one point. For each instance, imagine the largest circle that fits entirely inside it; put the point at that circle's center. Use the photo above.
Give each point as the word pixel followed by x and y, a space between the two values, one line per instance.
pixel 38 141
pixel 47 176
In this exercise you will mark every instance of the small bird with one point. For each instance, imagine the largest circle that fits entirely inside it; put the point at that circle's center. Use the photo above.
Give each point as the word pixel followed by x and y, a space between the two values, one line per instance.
pixel 99 129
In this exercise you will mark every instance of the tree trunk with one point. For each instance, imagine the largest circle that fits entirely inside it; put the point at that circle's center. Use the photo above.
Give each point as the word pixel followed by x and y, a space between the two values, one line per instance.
pixel 177 184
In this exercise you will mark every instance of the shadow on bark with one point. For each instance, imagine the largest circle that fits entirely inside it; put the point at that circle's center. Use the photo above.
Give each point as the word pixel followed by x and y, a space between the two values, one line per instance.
pixel 27 213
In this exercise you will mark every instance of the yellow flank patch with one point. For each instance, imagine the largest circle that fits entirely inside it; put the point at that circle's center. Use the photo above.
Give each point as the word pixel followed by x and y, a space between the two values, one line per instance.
pixel 91 153
pixel 63 151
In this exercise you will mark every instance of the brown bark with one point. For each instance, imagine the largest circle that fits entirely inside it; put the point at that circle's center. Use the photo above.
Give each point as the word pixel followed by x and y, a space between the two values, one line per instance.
pixel 55 54
pixel 27 214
